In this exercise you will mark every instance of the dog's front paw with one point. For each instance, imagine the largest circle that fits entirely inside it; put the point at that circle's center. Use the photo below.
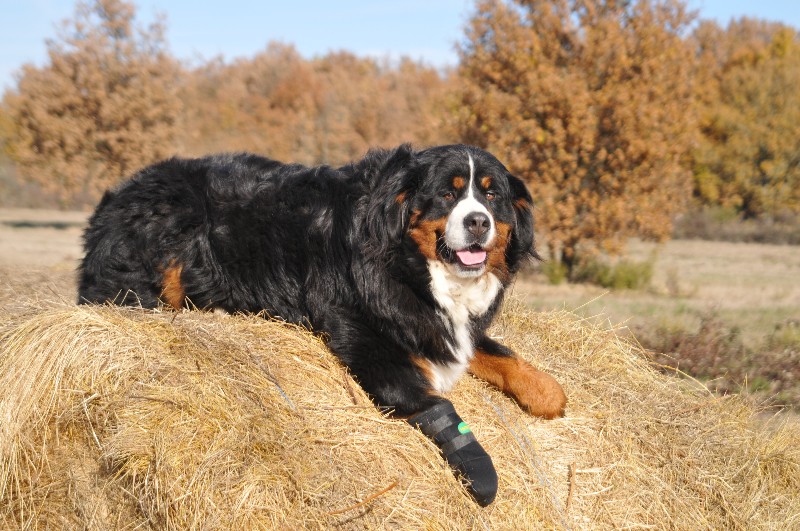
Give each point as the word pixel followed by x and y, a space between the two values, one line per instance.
pixel 461 450
pixel 537 392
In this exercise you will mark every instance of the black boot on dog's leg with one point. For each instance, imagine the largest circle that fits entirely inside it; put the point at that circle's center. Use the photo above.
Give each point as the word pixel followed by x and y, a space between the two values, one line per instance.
pixel 461 449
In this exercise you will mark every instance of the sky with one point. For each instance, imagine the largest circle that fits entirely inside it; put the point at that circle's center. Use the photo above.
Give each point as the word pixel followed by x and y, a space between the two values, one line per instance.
pixel 197 30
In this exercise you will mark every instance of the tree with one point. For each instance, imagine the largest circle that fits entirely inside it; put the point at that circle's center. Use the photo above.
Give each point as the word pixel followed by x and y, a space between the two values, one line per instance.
pixel 748 157
pixel 329 109
pixel 6 131
pixel 246 104
pixel 590 101
pixel 104 105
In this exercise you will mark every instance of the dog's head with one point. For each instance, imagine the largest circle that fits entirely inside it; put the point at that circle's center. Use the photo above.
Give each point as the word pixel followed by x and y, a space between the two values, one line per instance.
pixel 459 205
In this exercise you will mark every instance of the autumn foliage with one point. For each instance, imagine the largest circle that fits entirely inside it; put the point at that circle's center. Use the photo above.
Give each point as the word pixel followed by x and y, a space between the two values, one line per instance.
pixel 617 114
pixel 591 103
pixel 324 110
pixel 748 159
pixel 112 99
pixel 104 104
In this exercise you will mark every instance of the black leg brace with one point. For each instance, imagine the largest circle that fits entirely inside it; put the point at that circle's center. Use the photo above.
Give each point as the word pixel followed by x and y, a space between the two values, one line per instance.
pixel 461 449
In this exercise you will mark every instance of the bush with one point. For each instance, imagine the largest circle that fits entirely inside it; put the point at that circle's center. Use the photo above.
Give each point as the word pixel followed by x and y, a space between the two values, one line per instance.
pixel 716 354
pixel 556 272
pixel 105 104
pixel 624 274
pixel 715 351
pixel 786 336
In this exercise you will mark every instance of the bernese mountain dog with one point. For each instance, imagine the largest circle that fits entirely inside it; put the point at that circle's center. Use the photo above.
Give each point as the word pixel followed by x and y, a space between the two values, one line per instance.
pixel 398 260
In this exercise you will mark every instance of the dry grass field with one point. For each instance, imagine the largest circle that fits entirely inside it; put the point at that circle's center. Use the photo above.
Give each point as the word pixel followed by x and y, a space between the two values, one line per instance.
pixel 39 251
pixel 124 419
pixel 754 287
pixel 728 313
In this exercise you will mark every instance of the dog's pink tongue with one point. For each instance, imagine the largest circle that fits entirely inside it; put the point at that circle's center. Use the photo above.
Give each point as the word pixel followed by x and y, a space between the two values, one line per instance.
pixel 468 257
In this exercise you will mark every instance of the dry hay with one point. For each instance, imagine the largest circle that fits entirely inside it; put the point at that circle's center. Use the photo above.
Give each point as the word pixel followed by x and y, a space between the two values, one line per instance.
pixel 119 419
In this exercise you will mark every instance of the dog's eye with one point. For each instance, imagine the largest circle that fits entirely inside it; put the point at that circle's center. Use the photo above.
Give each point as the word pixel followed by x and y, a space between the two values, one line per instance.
pixel 490 195
pixel 448 196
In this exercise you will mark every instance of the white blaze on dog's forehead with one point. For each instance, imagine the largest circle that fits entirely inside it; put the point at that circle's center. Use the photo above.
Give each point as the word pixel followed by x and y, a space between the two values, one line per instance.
pixel 471 174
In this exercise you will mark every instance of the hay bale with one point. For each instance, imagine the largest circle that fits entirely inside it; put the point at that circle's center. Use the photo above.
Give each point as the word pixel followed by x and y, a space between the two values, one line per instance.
pixel 119 418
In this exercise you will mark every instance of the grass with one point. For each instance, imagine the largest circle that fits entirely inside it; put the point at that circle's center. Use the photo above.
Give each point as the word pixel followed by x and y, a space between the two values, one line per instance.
pixel 117 418
pixel 120 418
pixel 751 286
pixel 750 290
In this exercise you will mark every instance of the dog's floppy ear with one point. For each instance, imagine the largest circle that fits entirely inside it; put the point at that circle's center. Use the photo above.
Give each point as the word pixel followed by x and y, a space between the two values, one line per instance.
pixel 392 179
pixel 521 247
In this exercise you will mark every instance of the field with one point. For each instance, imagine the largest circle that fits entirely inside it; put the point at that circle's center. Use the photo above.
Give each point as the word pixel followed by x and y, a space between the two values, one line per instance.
pixel 39 251
pixel 727 313
pixel 754 287
pixel 751 291
pixel 116 418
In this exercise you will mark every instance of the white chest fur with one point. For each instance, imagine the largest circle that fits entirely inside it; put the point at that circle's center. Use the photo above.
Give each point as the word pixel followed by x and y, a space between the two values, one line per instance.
pixel 459 298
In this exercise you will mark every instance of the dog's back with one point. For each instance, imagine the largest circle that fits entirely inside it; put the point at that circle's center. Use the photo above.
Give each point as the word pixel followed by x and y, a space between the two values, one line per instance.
pixel 231 231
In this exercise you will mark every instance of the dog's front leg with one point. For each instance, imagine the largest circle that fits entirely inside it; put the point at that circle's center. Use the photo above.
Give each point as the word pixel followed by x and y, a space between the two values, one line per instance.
pixel 537 392
pixel 393 380
pixel 460 448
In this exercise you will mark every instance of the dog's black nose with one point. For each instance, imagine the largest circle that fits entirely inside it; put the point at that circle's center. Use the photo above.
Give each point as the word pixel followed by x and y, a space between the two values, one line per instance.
pixel 477 223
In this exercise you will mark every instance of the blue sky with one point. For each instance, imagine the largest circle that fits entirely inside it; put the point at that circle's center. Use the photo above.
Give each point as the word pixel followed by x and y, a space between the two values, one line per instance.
pixel 422 29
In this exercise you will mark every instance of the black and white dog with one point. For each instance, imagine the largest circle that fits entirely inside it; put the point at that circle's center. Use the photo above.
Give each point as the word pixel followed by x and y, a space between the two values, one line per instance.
pixel 399 260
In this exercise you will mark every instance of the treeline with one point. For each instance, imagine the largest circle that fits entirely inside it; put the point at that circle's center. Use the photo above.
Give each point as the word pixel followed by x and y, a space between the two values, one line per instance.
pixel 112 99
pixel 619 114
pixel 324 110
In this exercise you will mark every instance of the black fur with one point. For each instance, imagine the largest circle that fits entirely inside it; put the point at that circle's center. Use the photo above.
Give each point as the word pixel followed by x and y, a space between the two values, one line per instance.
pixel 326 247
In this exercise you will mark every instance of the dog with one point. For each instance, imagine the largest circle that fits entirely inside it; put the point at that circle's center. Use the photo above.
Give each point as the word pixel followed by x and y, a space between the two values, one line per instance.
pixel 399 261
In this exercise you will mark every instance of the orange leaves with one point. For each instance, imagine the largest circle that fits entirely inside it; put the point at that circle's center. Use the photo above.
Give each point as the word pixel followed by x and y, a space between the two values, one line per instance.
pixel 748 158
pixel 112 100
pixel 105 104
pixel 591 103
pixel 329 109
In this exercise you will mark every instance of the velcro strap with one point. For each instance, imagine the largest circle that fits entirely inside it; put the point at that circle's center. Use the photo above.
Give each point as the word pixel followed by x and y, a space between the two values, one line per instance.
pixel 457 443
pixel 435 428
pixel 432 420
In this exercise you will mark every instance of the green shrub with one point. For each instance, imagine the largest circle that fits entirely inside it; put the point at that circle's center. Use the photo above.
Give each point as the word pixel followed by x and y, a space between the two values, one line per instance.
pixel 632 275
pixel 556 272
pixel 621 275
pixel 786 336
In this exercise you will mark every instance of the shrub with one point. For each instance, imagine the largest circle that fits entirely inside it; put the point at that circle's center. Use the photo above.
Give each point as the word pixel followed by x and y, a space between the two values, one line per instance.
pixel 713 352
pixel 721 224
pixel 105 104
pixel 786 336
pixel 716 354
pixel 556 272
pixel 624 274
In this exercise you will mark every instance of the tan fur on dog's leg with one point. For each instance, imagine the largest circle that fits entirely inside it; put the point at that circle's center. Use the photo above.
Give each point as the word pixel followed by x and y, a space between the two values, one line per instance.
pixel 537 392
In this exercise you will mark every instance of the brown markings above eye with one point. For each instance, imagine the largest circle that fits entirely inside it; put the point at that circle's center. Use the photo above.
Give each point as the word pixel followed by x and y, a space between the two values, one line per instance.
pixel 486 183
